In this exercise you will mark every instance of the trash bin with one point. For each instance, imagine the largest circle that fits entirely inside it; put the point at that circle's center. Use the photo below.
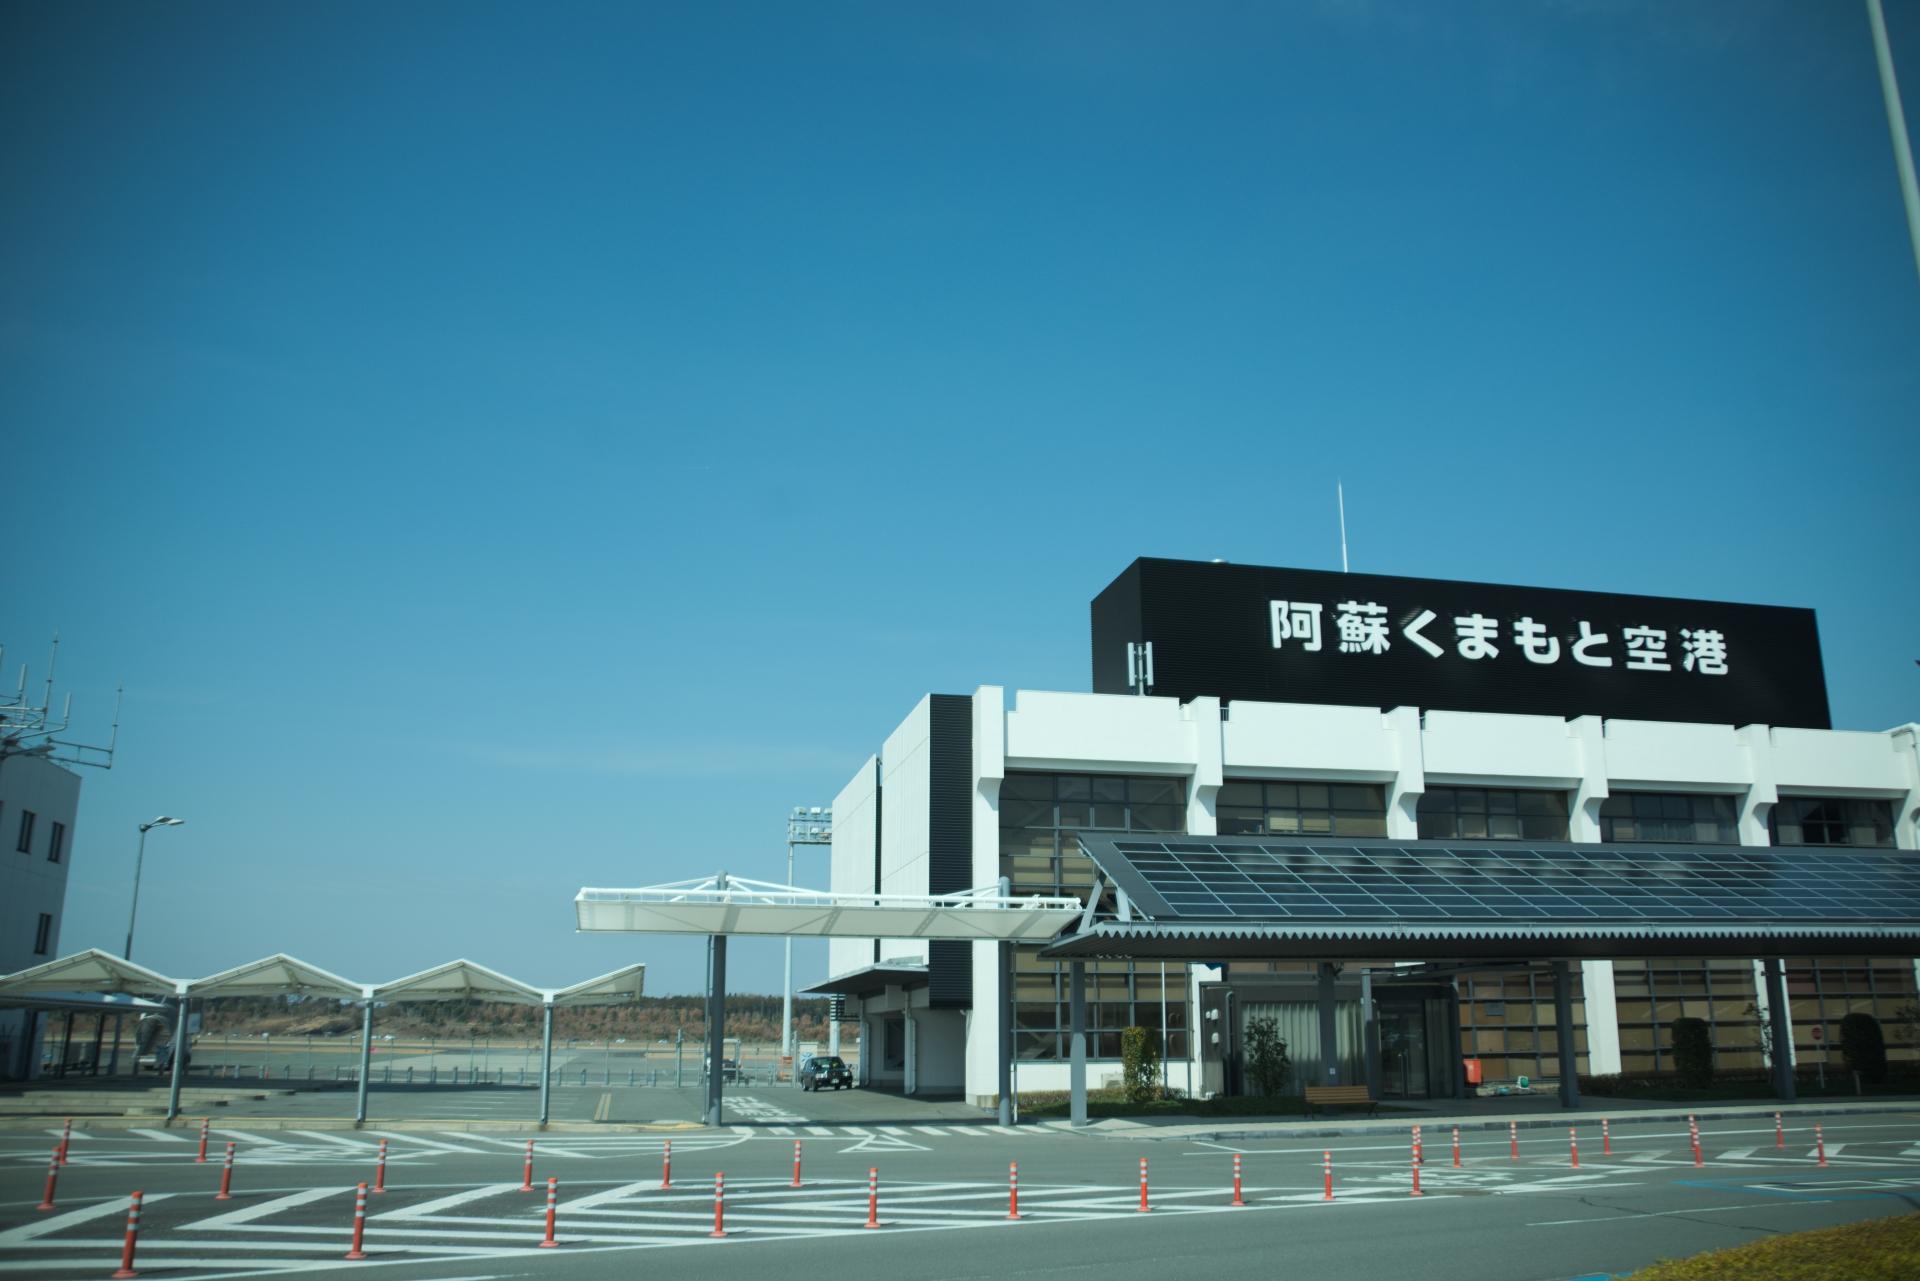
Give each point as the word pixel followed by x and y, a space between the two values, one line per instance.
pixel 1473 1071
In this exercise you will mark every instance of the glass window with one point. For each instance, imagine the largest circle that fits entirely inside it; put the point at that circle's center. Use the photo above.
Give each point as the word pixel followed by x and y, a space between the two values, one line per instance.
pixel 56 842
pixel 1296 809
pixel 1492 813
pixel 1812 820
pixel 42 935
pixel 1669 818
pixel 25 843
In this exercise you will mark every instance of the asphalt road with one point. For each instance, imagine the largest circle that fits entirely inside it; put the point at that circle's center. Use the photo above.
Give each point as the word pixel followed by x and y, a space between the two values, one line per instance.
pixel 454 1208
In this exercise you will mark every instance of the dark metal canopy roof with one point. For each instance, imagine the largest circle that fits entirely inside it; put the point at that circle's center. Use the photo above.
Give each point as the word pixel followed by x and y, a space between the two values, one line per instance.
pixel 871 981
pixel 1212 898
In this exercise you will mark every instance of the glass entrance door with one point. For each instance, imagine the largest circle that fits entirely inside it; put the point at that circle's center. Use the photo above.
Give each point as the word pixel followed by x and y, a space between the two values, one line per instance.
pixel 1403 1050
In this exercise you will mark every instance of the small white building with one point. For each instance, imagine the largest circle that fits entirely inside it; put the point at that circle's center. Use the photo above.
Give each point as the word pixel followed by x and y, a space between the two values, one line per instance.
pixel 39 800
pixel 972 788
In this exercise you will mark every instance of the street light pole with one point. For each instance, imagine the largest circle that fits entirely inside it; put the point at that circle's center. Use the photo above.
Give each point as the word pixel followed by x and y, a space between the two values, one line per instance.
pixel 139 861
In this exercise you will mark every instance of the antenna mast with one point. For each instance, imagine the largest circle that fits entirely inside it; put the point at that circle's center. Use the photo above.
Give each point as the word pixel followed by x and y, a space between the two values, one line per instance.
pixel 29 729
pixel 1340 493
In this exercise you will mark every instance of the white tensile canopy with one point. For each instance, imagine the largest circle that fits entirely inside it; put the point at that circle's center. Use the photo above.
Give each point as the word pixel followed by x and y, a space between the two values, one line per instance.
pixel 276 975
pixel 723 905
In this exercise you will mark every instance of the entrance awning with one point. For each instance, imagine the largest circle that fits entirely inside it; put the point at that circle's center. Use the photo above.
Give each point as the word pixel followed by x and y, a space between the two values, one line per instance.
pixel 1225 897
pixel 723 905
pixel 870 981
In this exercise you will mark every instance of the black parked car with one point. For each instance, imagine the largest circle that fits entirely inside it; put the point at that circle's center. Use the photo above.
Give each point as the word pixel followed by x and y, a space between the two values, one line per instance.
pixel 825 1071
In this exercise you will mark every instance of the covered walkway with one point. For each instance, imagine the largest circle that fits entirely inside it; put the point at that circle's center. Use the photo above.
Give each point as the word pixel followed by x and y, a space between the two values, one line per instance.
pixel 96 973
pixel 1208 899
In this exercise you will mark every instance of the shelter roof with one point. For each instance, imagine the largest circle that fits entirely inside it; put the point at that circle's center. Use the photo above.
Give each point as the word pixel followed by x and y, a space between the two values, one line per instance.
pixel 456 980
pixel 88 971
pixel 871 980
pixel 615 987
pixel 276 975
pixel 735 905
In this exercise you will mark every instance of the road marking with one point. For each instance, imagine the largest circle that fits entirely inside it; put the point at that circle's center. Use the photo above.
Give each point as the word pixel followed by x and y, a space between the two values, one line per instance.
pixel 820 1131
pixel 248 1214
pixel 1650 1214
pixel 603 1109
pixel 399 1136
pixel 72 1218
pixel 352 1145
pixel 242 1136
pixel 934 1130
pixel 426 1208
pixel 162 1134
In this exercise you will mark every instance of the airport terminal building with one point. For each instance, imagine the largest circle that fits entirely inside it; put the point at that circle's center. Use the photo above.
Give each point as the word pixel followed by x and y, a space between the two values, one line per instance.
pixel 1354 713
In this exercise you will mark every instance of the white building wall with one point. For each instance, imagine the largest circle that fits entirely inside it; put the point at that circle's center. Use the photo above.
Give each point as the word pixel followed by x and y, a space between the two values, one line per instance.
pixel 31 883
pixel 1401 748
pixel 850 866
pixel 905 836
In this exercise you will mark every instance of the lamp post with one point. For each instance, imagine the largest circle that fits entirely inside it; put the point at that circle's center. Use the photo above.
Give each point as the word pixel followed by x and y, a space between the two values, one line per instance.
pixel 138 862
pixel 804 827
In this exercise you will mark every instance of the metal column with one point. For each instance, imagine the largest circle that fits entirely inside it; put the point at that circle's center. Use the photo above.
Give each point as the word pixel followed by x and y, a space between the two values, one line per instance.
pixel 366 1061
pixel 179 1060
pixel 716 1023
pixel 1329 1031
pixel 1006 1023
pixel 1077 1073
pixel 1563 1029
pixel 546 1060
pixel 1369 1035
pixel 113 1057
pixel 1780 1020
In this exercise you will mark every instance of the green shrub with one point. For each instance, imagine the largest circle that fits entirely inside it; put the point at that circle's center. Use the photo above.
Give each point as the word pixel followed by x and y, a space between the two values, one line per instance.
pixel 1268 1066
pixel 1140 1064
pixel 1692 1051
pixel 1864 1047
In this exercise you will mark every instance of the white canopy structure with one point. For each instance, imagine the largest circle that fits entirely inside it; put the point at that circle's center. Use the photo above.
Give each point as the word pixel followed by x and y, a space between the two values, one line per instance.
pixel 723 905
pixel 88 971
pixel 276 975
pixel 612 988
pixel 94 973
pixel 457 981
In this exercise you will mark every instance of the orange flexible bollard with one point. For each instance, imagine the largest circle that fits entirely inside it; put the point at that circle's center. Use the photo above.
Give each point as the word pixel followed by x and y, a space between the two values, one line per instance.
pixel 359 1222
pixel 53 1177
pixel 1573 1147
pixel 666 1165
pixel 1820 1144
pixel 1237 1199
pixel 1326 1165
pixel 1779 1131
pixel 796 1165
pixel 205 1121
pixel 719 1204
pixel 526 1176
pixel 380 1168
pixel 873 1196
pixel 553 1201
pixel 133 1237
pixel 1456 1147
pixel 1144 1207
pixel 1513 1141
pixel 1013 1189
pixel 1606 1138
pixel 66 1140
pixel 1416 1176
pixel 226 1178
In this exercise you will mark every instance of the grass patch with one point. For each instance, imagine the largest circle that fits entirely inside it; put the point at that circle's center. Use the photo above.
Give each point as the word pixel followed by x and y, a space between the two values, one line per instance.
pixel 1876 1250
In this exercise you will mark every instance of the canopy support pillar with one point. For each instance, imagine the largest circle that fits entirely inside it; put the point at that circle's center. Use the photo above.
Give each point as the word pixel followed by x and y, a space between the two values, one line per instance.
pixel 1563 1033
pixel 1780 1023
pixel 1369 1035
pixel 366 1062
pixel 717 1024
pixel 179 1059
pixel 113 1055
pixel 1329 1032
pixel 1077 1074
pixel 546 1060
pixel 1006 1022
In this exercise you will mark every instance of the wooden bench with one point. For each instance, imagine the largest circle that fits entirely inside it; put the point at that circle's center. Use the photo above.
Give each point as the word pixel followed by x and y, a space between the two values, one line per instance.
pixel 1340 1096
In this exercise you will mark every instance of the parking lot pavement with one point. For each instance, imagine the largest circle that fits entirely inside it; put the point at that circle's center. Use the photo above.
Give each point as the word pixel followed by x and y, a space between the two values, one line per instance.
pixel 455 1207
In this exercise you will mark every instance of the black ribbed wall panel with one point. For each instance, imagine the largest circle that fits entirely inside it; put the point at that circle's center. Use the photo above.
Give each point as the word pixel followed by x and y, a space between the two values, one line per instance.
pixel 950 838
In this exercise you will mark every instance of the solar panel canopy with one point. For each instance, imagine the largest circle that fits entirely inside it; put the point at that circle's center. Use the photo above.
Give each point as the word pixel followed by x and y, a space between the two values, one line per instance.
pixel 1723 899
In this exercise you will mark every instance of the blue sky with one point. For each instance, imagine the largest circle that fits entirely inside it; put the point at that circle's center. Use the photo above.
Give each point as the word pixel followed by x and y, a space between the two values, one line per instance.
pixel 506 448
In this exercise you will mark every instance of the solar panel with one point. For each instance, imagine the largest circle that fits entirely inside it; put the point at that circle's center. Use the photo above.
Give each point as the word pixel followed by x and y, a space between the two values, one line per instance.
pixel 1241 878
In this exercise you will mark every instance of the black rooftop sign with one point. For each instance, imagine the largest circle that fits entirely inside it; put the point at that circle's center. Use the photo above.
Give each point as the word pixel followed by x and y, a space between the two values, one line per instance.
pixel 1311 636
